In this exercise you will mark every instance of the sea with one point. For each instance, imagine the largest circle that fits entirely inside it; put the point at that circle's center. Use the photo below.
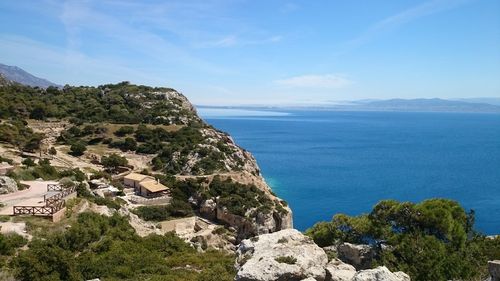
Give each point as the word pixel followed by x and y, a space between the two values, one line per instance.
pixel 328 162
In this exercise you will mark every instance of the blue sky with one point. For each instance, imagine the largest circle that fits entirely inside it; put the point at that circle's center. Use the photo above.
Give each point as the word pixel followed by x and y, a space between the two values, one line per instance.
pixel 262 52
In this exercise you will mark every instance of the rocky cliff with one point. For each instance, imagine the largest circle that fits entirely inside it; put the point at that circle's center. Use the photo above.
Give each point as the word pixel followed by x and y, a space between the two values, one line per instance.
pixel 216 155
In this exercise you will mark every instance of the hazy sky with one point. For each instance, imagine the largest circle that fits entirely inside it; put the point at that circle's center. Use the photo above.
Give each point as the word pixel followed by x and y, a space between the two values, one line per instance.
pixel 241 52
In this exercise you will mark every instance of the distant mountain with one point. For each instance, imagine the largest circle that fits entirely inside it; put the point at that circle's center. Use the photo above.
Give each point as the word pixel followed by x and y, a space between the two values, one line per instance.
pixel 16 74
pixel 494 101
pixel 409 105
pixel 437 105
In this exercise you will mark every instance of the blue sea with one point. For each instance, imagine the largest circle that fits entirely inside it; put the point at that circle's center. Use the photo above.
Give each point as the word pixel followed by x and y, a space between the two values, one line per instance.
pixel 326 162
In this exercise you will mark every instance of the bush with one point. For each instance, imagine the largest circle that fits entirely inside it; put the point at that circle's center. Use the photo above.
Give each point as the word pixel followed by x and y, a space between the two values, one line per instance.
pixel 175 209
pixel 431 240
pixel 77 149
pixel 113 161
pixel 28 162
pixel 10 242
pixel 125 145
pixel 125 130
pixel 52 151
pixel 96 246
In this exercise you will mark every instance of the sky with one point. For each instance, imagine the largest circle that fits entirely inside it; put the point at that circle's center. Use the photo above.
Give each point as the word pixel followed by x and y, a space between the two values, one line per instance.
pixel 234 52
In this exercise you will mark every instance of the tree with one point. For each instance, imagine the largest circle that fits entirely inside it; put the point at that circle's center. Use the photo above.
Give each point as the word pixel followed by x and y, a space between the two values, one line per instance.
pixel 77 149
pixel 28 162
pixel 39 112
pixel 113 161
pixel 33 143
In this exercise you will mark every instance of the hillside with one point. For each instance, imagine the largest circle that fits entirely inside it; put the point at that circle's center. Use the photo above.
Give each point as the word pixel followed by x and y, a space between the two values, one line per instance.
pixel 217 207
pixel 164 129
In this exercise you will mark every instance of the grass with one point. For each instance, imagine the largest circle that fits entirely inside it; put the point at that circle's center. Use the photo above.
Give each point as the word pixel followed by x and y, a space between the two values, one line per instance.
pixel 286 259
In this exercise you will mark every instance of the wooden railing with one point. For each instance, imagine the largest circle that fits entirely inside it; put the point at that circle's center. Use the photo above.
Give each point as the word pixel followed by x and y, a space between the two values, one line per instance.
pixel 54 187
pixel 53 203
pixel 58 196
pixel 34 210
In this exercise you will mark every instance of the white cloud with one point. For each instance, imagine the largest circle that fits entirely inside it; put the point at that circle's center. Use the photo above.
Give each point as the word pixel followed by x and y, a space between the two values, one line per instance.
pixel 327 81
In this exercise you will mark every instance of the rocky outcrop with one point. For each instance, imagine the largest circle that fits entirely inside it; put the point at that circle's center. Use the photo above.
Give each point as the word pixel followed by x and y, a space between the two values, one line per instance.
pixel 283 255
pixel 7 185
pixel 256 224
pixel 337 270
pixel 380 273
pixel 290 255
pixel 360 256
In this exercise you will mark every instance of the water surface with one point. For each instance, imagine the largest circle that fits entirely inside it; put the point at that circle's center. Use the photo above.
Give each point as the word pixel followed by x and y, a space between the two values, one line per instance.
pixel 324 163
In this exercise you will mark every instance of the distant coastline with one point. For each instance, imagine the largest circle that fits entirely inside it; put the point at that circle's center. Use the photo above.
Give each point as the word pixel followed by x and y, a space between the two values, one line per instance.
pixel 392 105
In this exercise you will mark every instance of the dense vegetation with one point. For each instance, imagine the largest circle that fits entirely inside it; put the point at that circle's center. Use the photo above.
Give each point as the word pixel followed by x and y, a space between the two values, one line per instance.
pixel 119 103
pixel 432 240
pixel 238 198
pixel 96 246
pixel 17 133
pixel 155 121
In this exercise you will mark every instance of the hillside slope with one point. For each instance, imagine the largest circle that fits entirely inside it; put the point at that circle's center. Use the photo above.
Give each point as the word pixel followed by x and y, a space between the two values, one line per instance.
pixel 221 180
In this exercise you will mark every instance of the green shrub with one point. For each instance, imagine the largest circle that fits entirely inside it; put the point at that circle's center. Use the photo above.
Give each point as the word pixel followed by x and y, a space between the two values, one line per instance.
pixel 77 149
pixel 10 242
pixel 113 161
pixel 96 246
pixel 177 208
pixel 28 162
pixel 431 240
pixel 286 259
pixel 124 130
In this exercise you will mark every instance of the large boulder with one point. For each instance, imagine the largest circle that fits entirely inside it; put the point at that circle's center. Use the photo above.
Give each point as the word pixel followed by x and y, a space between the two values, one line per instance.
pixel 7 185
pixel 282 255
pixel 360 256
pixel 336 270
pixel 380 273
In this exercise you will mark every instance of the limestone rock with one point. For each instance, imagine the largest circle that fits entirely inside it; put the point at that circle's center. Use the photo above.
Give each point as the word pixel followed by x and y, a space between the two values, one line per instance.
pixel 380 273
pixel 360 256
pixel 258 258
pixel 336 270
pixel 208 209
pixel 7 185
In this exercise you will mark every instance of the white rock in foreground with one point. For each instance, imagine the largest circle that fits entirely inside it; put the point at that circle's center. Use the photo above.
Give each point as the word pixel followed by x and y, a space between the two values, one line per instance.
pixel 380 273
pixel 339 271
pixel 289 255
pixel 257 257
